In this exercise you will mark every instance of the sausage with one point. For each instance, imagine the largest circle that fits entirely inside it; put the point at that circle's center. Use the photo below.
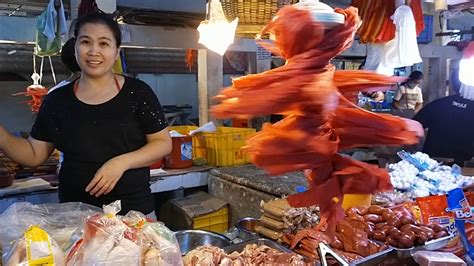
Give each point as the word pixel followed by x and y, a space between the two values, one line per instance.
pixel 421 238
pixel 391 242
pixel 405 241
pixel 356 217
pixel 395 221
pixel 272 224
pixel 411 234
pixel 268 232
pixel 387 214
pixel 379 235
pixel 357 210
pixel 380 225
pixel 429 232
pixel 362 210
pixel 407 220
pixel 395 233
pixel 373 218
pixel 436 227
pixel 440 234
pixel 351 211
pixel 411 227
pixel 375 209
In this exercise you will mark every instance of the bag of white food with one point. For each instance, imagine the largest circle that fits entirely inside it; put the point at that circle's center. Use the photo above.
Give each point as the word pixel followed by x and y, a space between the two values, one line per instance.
pixel 106 241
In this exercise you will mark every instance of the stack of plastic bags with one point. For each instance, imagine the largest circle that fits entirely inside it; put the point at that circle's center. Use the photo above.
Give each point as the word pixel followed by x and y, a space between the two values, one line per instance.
pixel 99 238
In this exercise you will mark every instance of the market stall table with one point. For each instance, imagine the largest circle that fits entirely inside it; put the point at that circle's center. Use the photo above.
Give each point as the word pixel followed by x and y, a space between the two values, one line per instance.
pixel 171 179
pixel 32 189
pixel 244 187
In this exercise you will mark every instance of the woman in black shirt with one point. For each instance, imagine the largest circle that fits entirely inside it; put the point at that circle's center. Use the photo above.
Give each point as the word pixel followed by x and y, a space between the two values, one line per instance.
pixel 110 128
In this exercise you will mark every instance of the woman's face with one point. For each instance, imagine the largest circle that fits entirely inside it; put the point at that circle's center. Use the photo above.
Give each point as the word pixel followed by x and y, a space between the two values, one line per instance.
pixel 415 82
pixel 96 50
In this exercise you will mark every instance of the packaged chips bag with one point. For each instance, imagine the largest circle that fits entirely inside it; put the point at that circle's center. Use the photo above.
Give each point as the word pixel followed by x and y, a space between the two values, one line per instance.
pixel 459 205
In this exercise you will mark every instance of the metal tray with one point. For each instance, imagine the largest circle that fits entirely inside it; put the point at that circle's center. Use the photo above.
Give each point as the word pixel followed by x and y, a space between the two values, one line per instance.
pixel 373 259
pixel 434 244
pixel 259 241
pixel 269 243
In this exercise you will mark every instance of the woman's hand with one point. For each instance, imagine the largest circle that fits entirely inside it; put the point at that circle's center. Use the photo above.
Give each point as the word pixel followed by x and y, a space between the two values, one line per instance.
pixel 106 177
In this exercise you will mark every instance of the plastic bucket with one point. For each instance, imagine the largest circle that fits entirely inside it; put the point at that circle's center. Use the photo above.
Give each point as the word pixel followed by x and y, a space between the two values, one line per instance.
pixel 181 154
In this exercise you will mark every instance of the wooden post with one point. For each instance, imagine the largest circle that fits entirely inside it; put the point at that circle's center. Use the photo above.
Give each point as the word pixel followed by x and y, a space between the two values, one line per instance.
pixel 210 82
pixel 437 77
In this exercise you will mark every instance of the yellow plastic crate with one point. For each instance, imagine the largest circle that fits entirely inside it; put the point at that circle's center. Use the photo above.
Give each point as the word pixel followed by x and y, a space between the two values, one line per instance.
pixel 220 148
pixel 217 221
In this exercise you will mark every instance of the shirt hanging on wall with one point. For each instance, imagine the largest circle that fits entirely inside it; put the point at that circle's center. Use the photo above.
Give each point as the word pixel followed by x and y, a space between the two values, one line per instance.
pixel 403 50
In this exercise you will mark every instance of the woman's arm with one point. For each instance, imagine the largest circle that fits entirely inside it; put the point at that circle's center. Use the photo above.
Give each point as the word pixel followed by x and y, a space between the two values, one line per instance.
pixel 29 152
pixel 418 107
pixel 158 146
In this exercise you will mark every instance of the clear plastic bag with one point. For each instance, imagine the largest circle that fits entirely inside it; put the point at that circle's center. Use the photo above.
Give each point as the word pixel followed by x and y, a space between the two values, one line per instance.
pixel 36 247
pixel 62 221
pixel 106 241
pixel 159 246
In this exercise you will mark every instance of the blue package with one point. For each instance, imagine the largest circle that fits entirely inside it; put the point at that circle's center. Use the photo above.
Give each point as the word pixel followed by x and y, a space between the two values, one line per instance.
pixel 463 217
pixel 421 166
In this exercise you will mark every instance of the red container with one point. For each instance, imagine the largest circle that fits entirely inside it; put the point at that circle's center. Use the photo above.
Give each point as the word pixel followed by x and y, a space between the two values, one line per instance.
pixel 181 154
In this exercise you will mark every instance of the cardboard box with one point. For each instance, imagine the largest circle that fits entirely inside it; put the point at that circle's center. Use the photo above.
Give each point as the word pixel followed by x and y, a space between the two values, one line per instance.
pixel 182 214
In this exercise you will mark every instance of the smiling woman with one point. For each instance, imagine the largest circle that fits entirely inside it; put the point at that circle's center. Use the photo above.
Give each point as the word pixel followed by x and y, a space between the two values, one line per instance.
pixel 109 127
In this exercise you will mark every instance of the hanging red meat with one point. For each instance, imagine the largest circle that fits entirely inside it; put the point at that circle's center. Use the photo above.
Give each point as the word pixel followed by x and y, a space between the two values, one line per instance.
pixel 319 121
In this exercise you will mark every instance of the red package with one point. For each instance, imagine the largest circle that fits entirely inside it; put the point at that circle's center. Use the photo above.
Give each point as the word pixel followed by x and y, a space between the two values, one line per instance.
pixel 434 210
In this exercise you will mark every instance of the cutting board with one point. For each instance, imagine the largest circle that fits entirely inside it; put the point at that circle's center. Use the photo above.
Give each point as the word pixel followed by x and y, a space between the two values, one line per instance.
pixel 26 185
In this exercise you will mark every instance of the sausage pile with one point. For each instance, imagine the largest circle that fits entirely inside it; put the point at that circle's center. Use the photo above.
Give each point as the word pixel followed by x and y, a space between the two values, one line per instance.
pixel 396 229
pixel 279 218
pixel 364 231
pixel 319 121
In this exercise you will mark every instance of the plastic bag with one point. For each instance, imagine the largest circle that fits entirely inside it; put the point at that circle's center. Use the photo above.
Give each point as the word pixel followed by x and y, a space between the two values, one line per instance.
pixel 106 241
pixel 430 258
pixel 434 210
pixel 36 247
pixel 159 246
pixel 62 221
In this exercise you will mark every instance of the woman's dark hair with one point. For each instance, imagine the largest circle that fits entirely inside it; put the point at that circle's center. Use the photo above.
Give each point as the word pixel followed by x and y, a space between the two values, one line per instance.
pixel 416 75
pixel 100 18
pixel 67 56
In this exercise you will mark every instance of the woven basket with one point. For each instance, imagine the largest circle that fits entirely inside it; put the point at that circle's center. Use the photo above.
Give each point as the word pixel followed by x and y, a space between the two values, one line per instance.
pixel 252 14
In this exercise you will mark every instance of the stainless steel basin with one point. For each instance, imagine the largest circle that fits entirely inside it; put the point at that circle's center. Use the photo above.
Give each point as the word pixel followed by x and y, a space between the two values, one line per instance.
pixel 191 239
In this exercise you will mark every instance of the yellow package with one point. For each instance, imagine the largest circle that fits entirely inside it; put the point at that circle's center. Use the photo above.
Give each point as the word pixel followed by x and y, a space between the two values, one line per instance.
pixel 36 248
pixel 39 250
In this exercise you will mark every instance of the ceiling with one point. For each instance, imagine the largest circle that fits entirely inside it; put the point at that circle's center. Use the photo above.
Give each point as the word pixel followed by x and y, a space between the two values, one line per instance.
pixel 253 14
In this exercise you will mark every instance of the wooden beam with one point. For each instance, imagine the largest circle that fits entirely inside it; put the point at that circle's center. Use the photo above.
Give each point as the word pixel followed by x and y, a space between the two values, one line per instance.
pixel 210 82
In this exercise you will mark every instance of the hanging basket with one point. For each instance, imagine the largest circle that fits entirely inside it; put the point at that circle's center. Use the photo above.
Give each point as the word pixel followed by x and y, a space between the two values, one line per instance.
pixel 252 14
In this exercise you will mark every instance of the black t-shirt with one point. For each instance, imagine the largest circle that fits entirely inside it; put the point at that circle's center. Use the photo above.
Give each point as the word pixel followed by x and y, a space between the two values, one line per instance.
pixel 89 135
pixel 450 123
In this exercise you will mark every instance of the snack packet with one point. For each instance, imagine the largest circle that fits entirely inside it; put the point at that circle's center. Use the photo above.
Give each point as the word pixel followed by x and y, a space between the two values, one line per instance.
pixel 463 219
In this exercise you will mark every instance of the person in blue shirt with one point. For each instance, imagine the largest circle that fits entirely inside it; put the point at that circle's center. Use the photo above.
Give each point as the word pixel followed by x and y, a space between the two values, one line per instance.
pixel 450 124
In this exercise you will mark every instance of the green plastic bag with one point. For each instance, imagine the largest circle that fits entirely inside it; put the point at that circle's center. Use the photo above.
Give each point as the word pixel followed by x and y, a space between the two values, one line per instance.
pixel 51 27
